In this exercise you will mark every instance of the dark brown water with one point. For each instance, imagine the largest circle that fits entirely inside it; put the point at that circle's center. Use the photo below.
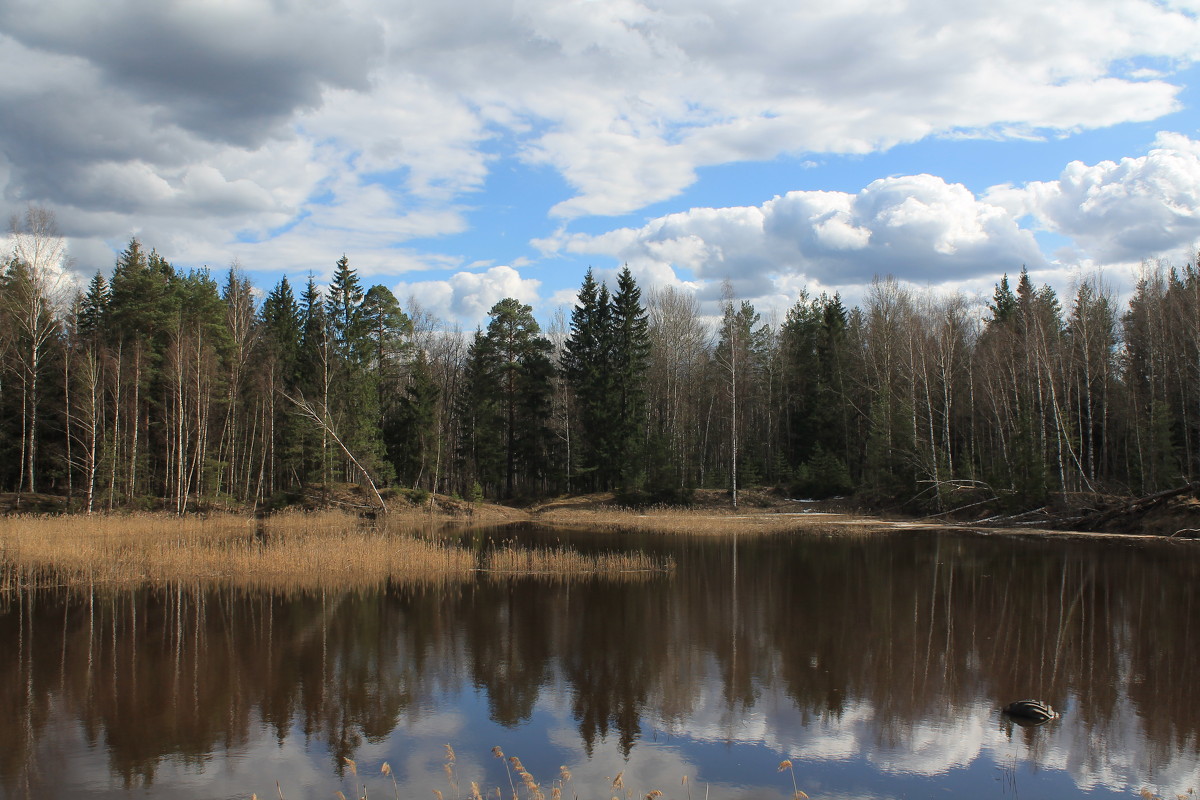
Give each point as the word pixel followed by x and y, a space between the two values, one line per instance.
pixel 877 664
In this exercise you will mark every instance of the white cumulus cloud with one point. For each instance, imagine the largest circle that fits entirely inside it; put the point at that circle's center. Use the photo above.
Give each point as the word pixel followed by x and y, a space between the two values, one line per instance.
pixel 252 126
pixel 917 227
pixel 1139 207
pixel 467 296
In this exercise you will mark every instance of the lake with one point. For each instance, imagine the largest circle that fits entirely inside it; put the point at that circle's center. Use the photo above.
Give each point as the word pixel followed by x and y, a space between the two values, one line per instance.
pixel 876 664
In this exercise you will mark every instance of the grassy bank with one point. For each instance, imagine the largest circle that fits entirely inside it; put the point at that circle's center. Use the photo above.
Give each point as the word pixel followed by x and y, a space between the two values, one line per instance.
pixel 294 550
pixel 759 512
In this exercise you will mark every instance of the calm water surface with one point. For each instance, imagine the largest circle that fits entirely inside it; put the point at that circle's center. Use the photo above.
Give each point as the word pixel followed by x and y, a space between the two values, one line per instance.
pixel 877 664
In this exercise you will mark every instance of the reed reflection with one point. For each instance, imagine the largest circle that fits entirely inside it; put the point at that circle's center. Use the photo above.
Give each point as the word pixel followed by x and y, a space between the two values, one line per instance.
pixel 890 638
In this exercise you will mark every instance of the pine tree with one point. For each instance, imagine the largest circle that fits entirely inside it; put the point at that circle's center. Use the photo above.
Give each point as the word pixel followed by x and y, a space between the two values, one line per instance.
pixel 387 340
pixel 511 363
pixel 386 330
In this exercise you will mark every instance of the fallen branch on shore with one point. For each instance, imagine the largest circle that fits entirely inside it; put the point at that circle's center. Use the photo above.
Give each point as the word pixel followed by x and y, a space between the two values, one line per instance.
pixel 1086 517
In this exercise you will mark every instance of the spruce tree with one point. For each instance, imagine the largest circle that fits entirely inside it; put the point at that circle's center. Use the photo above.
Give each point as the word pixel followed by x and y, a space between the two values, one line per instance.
pixel 282 327
pixel 93 307
pixel 630 360
pixel 585 362
pixel 411 431
pixel 314 377
pixel 343 307
pixel 1004 303
pixel 480 418
pixel 281 341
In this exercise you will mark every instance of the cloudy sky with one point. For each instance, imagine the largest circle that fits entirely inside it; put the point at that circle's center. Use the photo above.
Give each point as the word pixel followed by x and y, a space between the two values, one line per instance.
pixel 460 151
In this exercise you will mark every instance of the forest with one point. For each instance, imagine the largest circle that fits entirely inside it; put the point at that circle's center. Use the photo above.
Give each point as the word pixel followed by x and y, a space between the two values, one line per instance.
pixel 163 388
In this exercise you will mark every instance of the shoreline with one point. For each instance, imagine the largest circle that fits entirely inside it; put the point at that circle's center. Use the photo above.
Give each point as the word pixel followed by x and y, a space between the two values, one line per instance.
pixel 761 511
pixel 321 549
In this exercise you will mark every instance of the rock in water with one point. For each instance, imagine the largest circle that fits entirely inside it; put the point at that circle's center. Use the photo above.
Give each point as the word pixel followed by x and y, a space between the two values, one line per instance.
pixel 1030 711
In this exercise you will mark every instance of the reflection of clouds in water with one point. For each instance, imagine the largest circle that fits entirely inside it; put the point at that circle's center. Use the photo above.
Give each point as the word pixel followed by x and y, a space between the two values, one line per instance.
pixel 302 768
pixel 651 766
pixel 1115 754
pixel 416 750
pixel 1112 755
pixel 1116 757
pixel 658 763
pixel 236 772
pixel 934 747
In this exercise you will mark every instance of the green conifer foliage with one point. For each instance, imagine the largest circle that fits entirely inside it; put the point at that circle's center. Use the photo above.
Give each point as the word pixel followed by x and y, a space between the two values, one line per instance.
pixel 585 362
pixel 605 360
pixel 93 307
pixel 508 388
pixel 630 361
pixel 1004 302
pixel 282 329
pixel 411 431
pixel 343 307
pixel 480 416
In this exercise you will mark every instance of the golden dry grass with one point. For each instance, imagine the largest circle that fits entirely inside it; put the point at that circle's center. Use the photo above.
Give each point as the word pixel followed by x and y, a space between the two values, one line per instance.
pixel 289 551
pixel 320 549
pixel 561 562
pixel 708 520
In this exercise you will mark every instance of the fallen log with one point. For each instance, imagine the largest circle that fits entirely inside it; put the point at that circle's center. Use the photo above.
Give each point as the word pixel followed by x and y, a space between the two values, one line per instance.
pixel 1140 504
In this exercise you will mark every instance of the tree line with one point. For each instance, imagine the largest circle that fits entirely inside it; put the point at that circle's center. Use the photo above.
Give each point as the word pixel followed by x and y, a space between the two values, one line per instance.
pixel 162 387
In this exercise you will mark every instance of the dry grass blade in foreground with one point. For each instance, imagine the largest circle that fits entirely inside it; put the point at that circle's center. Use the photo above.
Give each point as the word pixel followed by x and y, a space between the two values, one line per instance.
pixel 528 788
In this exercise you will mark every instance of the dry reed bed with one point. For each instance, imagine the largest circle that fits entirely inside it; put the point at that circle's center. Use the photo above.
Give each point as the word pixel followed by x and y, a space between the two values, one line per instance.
pixel 561 562
pixel 290 551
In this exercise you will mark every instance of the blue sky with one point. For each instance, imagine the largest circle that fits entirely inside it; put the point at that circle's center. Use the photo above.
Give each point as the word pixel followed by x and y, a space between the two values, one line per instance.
pixel 461 151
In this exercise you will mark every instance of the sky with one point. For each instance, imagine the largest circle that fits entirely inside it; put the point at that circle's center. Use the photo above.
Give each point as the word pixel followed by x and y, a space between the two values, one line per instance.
pixel 463 151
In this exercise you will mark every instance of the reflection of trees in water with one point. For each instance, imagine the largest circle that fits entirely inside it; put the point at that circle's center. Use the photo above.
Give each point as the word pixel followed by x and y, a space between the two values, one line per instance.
pixel 917 627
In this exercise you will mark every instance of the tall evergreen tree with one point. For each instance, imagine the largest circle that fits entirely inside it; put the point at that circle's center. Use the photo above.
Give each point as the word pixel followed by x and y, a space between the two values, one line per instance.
pixel 386 329
pixel 387 340
pixel 1004 302
pixel 481 418
pixel 341 384
pixel 315 377
pixel 412 429
pixel 93 307
pixel 282 325
pixel 141 310
pixel 343 307
pixel 512 362
pixel 585 362
pixel 630 348
pixel 605 359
